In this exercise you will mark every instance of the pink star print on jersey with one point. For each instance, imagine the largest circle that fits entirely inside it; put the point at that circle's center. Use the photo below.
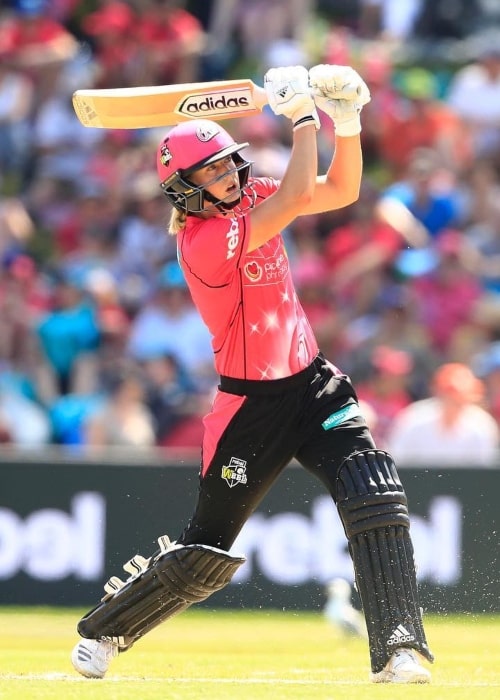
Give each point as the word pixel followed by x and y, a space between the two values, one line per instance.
pixel 247 300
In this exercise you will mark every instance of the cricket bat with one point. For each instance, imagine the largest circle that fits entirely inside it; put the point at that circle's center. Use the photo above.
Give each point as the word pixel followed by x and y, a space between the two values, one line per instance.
pixel 165 105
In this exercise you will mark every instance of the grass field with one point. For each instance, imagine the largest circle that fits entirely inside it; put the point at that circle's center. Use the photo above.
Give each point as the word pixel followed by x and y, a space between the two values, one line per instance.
pixel 202 655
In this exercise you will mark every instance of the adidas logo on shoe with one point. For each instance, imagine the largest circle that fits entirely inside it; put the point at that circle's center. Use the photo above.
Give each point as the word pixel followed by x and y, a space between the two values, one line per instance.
pixel 400 635
pixel 91 657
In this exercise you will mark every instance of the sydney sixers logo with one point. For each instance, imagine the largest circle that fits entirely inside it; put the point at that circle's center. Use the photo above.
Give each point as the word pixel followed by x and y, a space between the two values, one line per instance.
pixel 165 155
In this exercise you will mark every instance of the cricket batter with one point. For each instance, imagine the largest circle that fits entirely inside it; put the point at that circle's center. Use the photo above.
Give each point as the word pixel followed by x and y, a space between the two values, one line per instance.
pixel 278 398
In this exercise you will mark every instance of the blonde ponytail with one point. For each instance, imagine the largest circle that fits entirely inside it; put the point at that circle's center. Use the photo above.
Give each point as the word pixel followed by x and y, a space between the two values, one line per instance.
pixel 177 221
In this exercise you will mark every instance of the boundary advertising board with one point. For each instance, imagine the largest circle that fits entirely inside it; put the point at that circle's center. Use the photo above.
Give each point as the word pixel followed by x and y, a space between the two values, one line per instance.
pixel 66 527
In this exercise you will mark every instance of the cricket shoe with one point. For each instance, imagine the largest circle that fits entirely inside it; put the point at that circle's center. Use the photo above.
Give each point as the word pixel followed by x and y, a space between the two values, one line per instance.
pixel 403 667
pixel 91 657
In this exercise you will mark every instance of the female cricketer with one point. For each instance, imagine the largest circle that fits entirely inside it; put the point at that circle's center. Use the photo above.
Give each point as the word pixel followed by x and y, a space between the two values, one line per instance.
pixel 278 398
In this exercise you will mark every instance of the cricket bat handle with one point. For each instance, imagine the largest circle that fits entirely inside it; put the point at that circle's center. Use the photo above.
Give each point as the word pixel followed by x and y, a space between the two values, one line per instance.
pixel 349 92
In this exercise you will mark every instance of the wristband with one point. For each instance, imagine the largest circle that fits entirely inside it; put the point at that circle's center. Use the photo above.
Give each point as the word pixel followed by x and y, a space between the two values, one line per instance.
pixel 304 121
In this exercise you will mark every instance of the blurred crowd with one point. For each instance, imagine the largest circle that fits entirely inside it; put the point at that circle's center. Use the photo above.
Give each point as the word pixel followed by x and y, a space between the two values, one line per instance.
pixel 100 344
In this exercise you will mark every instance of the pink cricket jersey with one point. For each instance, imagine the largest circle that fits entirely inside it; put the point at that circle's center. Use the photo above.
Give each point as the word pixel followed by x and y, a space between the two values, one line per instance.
pixel 247 300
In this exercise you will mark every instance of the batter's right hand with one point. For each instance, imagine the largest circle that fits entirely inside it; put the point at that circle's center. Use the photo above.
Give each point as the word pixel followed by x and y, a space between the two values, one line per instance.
pixel 288 93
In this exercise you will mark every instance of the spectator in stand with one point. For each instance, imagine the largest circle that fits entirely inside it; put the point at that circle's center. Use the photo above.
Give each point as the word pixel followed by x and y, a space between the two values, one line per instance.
pixel 105 164
pixel 41 43
pixel 449 429
pixel 171 394
pixel 311 281
pixel 359 252
pixel 386 389
pixel 17 228
pixel 447 296
pixel 248 35
pixel 480 203
pixel 267 148
pixel 304 238
pixel 437 22
pixel 393 324
pixel 112 319
pixel 170 324
pixel 23 422
pixel 173 41
pixel 24 299
pixel 61 145
pixel 426 122
pixel 188 432
pixel 123 419
pixel 63 10
pixel 486 365
pixel 378 68
pixel 95 215
pixel 392 21
pixel 67 335
pixel 143 245
pixel 16 105
pixel 119 56
pixel 479 197
pixel 222 46
pixel 474 94
pixel 427 192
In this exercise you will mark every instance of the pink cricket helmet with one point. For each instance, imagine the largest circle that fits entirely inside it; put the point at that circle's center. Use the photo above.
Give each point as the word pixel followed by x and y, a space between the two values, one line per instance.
pixel 187 147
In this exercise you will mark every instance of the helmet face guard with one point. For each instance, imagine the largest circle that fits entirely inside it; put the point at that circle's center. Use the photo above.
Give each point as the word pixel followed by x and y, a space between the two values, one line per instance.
pixel 190 198
pixel 188 147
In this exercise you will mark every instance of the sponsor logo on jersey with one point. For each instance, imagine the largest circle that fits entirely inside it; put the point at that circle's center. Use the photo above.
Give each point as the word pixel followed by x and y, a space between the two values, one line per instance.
pixel 235 472
pixel 233 239
pixel 276 269
pixel 253 271
pixel 339 417
pixel 217 103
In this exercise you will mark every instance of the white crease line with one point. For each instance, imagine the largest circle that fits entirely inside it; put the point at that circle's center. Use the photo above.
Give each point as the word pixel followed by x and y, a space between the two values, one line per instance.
pixel 227 681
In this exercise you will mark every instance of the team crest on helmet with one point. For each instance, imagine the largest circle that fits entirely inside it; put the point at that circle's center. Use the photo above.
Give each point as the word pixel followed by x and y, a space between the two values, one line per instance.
pixel 205 133
pixel 165 155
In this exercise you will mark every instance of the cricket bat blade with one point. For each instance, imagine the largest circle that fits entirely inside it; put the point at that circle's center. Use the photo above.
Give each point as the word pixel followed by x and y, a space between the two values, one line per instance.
pixel 153 106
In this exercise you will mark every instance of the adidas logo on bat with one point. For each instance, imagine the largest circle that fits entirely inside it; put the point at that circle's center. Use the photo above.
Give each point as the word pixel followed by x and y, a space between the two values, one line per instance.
pixel 216 103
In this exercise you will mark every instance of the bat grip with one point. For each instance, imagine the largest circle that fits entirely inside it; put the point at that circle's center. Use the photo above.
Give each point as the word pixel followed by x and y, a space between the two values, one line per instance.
pixel 260 95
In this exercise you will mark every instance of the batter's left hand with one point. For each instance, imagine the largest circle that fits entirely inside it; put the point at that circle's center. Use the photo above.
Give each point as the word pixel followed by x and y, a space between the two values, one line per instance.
pixel 338 83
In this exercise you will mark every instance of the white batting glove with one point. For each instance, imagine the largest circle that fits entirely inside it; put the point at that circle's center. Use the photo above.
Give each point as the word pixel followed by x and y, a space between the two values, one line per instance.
pixel 337 82
pixel 340 92
pixel 288 94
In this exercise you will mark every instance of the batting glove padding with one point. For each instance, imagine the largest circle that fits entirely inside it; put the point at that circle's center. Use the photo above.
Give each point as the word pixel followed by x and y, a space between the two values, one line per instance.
pixel 288 93
pixel 340 92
